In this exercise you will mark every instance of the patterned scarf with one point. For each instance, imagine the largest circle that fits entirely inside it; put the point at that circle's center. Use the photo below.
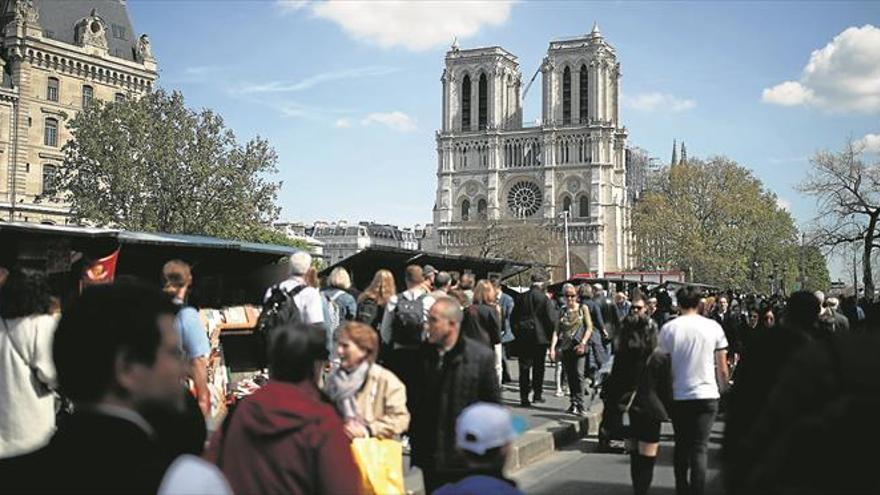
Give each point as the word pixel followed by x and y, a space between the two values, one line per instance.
pixel 342 386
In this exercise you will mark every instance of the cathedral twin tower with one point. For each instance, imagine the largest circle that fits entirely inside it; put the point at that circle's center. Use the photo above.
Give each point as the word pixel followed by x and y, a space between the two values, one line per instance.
pixel 493 169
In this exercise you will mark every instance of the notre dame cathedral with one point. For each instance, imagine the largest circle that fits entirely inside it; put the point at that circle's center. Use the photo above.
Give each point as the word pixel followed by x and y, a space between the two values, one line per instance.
pixel 492 168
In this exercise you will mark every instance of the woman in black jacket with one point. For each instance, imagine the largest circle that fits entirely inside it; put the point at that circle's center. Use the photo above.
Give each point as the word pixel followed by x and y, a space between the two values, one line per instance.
pixel 637 392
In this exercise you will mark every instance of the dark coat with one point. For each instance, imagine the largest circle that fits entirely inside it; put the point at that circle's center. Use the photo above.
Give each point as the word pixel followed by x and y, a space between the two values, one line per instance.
pixel 465 375
pixel 90 453
pixel 595 314
pixel 534 318
pixel 481 322
pixel 285 439
pixel 610 316
pixel 730 324
pixel 654 383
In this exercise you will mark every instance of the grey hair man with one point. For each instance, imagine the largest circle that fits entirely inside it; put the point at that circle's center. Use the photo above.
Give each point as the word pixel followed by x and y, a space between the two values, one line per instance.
pixel 307 299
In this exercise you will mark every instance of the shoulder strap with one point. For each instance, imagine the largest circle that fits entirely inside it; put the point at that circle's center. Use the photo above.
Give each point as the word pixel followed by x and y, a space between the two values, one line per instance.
pixel 336 296
pixel 632 397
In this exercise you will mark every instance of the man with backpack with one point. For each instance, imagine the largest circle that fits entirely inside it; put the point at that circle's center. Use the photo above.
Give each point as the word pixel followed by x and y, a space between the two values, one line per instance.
pixel 293 300
pixel 403 328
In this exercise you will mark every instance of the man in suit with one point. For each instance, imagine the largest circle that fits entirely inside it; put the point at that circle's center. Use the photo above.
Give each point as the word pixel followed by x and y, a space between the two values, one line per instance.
pixel 534 319
pixel 119 359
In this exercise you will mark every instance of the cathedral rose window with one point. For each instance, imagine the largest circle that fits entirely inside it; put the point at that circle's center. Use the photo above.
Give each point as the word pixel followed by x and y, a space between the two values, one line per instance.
pixel 524 199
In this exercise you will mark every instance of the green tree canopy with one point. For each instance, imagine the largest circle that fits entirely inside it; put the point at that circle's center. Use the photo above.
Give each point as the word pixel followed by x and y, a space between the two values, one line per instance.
pixel 716 221
pixel 152 164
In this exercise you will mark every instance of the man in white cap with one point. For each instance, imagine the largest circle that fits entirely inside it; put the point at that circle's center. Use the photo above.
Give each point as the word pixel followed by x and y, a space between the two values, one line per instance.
pixel 484 433
pixel 307 299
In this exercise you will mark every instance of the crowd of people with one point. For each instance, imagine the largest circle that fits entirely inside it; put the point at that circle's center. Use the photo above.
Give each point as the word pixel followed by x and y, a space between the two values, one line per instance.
pixel 425 367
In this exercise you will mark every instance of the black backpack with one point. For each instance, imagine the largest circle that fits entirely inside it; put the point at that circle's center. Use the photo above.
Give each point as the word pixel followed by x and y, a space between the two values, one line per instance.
pixel 279 309
pixel 408 323
pixel 368 311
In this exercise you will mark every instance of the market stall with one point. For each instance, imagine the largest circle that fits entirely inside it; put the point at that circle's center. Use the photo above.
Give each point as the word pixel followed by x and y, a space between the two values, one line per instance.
pixel 230 278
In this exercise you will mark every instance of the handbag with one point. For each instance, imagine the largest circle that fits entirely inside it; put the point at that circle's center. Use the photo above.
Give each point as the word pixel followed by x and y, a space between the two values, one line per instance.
pixel 381 465
pixel 40 388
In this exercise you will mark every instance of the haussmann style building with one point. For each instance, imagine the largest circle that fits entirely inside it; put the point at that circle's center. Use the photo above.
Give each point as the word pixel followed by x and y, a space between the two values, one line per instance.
pixel 492 168
pixel 56 57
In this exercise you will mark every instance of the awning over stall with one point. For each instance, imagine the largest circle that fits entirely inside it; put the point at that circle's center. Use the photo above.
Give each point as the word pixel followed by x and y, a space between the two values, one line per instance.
pixel 363 265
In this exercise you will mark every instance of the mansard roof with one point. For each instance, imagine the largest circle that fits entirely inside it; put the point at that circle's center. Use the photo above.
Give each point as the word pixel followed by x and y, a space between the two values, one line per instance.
pixel 58 18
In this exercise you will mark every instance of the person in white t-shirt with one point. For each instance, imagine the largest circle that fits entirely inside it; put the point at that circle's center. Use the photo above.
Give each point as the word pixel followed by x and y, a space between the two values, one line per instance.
pixel 698 350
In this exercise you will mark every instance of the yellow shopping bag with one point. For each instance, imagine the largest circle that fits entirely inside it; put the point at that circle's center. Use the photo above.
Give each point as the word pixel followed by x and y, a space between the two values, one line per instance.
pixel 381 464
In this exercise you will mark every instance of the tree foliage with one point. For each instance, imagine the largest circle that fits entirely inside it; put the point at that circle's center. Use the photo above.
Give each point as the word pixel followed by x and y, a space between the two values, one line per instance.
pixel 152 164
pixel 518 241
pixel 847 190
pixel 716 221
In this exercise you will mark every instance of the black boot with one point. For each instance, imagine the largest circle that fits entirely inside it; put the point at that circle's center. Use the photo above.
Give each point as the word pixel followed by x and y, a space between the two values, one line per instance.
pixel 641 470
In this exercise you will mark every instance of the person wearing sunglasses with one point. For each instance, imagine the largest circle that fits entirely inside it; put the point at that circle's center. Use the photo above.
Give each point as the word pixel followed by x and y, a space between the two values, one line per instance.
pixel 569 344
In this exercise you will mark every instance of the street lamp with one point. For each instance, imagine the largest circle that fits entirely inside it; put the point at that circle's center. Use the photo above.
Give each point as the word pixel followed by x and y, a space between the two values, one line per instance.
pixel 565 215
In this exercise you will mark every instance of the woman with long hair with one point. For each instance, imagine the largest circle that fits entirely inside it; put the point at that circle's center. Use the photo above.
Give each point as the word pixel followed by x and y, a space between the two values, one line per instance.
pixel 372 301
pixel 482 321
pixel 27 371
pixel 636 394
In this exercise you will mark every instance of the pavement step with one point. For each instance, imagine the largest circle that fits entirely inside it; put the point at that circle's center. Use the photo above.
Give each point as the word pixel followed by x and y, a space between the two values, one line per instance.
pixel 543 440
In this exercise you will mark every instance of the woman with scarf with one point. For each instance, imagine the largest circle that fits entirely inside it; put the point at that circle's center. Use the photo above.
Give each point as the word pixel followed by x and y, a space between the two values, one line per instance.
pixel 371 399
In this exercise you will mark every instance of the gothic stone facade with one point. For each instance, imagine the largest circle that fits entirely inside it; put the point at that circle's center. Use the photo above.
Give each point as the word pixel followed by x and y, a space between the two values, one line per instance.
pixel 491 168
pixel 55 57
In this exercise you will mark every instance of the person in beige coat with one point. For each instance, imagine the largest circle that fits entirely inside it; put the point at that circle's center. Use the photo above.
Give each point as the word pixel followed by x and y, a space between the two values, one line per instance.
pixel 371 399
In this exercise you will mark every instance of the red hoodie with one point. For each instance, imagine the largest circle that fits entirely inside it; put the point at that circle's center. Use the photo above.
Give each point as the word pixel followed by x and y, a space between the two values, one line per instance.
pixel 284 439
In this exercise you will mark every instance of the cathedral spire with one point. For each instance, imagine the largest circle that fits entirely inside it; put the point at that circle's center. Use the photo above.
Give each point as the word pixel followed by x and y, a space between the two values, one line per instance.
pixel 674 153
pixel 684 154
pixel 595 32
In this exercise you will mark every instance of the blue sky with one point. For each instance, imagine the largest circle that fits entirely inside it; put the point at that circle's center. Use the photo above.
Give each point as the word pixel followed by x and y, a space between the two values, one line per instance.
pixel 348 93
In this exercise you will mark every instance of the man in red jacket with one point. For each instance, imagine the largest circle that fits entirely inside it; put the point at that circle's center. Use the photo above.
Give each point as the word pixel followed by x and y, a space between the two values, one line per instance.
pixel 284 438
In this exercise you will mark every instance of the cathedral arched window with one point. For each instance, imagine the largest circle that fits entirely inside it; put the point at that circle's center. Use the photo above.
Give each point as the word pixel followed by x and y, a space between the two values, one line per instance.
pixel 465 210
pixel 566 204
pixel 52 89
pixel 466 103
pixel 50 132
pixel 585 83
pixel 584 207
pixel 481 209
pixel 566 96
pixel 483 103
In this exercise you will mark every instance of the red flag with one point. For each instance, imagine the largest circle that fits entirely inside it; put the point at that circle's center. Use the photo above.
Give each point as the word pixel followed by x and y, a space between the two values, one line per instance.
pixel 101 271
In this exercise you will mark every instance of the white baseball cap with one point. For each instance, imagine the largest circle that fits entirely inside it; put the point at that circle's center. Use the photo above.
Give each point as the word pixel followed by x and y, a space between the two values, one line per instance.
pixel 483 426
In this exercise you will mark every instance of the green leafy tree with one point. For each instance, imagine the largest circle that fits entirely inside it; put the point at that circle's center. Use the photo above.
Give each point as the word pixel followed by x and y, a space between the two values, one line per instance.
pixel 152 164
pixel 716 221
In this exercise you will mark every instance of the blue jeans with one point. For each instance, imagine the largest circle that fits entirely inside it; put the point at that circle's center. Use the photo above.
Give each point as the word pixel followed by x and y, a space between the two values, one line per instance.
pixel 692 421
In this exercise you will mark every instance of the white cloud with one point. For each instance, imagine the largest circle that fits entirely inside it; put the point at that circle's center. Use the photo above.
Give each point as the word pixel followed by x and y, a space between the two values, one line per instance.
pixel 871 142
pixel 310 82
pixel 414 25
pixel 343 123
pixel 789 93
pixel 783 204
pixel 398 121
pixel 649 102
pixel 842 76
